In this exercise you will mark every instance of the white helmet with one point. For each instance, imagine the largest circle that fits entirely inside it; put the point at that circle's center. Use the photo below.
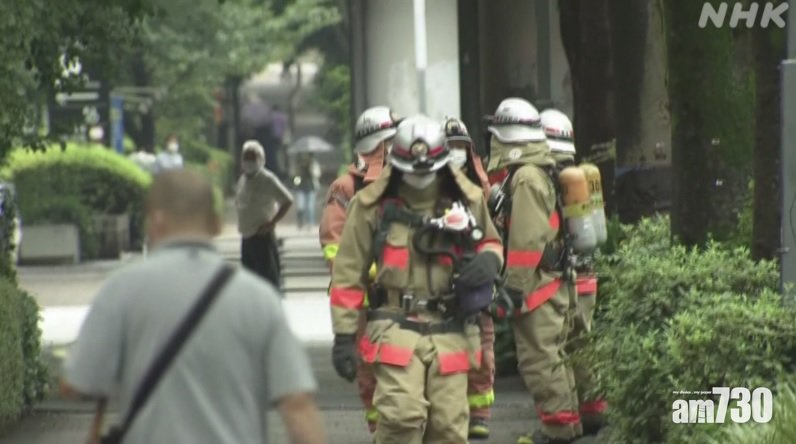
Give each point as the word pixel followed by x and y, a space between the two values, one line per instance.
pixel 516 120
pixel 558 129
pixel 419 146
pixel 373 127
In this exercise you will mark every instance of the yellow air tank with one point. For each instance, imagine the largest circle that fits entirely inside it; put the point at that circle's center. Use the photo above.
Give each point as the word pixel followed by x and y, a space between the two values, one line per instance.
pixel 598 205
pixel 577 209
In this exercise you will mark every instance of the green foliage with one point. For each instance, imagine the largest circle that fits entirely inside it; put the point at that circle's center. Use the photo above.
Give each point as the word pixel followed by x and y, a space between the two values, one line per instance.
pixel 212 162
pixel 781 429
pixel 671 318
pixel 8 228
pixel 37 35
pixel 333 96
pixel 72 185
pixel 22 371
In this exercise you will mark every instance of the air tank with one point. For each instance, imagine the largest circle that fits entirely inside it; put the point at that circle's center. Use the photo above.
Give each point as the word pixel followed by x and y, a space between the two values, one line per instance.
pixel 577 209
pixel 598 205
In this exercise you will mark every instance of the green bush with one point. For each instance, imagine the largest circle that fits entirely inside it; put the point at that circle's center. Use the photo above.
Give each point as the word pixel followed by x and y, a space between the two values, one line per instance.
pixel 214 163
pixel 781 429
pixel 670 318
pixel 8 227
pixel 23 376
pixel 72 185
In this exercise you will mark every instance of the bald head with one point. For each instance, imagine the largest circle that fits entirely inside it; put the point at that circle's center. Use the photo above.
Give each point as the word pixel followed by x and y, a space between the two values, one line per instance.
pixel 181 202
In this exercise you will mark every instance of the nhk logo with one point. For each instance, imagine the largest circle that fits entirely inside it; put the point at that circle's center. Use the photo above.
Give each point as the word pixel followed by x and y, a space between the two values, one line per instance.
pixel 763 17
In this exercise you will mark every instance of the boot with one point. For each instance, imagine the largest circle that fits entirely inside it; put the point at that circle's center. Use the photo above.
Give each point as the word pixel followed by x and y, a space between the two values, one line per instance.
pixel 479 428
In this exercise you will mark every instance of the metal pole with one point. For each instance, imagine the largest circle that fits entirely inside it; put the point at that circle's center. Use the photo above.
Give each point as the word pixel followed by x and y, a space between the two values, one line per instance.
pixel 788 174
pixel 421 57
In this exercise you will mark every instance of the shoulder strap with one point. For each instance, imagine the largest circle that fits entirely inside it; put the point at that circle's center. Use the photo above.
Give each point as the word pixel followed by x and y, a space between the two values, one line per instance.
pixel 174 345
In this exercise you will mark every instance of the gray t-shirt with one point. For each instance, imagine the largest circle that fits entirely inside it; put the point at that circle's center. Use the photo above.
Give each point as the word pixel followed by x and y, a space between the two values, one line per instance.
pixel 239 361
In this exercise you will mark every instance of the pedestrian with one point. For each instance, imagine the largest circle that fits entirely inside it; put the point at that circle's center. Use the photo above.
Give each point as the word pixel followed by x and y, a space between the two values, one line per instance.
pixel 421 337
pixel 536 272
pixel 238 359
pixel 306 181
pixel 374 131
pixel 262 201
pixel 170 159
pixel 481 394
pixel 559 132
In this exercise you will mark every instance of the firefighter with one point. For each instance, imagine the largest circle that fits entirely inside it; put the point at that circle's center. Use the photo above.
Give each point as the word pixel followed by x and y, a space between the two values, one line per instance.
pixel 541 302
pixel 374 131
pixel 558 130
pixel 438 254
pixel 481 394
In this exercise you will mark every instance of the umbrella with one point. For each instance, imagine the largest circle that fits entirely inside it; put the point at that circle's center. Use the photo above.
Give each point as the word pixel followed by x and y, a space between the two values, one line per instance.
pixel 310 144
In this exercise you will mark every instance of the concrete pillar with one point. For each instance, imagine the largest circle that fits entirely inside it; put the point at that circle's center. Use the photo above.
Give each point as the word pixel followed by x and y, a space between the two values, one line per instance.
pixel 389 59
pixel 788 230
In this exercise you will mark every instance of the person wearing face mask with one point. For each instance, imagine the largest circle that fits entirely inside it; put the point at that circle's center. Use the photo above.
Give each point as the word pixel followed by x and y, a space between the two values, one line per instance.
pixel 481 394
pixel 374 131
pixel 261 201
pixel 437 252
pixel 170 159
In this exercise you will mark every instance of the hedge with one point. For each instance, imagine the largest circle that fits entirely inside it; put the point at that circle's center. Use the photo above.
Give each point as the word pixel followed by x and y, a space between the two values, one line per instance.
pixel 73 184
pixel 23 375
pixel 670 319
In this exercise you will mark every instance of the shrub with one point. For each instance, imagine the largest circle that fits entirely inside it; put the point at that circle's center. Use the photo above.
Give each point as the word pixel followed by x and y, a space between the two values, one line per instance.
pixel 781 429
pixel 23 376
pixel 671 318
pixel 71 185
pixel 214 163
pixel 8 228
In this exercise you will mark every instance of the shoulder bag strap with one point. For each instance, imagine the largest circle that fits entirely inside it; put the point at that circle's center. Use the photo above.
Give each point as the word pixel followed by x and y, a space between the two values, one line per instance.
pixel 174 345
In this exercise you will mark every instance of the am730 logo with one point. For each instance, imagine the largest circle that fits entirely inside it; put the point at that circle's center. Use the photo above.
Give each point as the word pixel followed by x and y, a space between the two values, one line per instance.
pixel 756 405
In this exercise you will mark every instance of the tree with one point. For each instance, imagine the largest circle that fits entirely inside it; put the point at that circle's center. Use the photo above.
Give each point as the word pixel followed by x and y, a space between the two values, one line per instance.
pixel 586 30
pixel 711 98
pixel 40 40
pixel 769 47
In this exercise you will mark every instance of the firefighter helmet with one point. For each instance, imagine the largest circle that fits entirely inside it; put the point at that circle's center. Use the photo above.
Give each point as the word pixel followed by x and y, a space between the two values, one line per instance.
pixel 558 130
pixel 374 126
pixel 419 146
pixel 516 121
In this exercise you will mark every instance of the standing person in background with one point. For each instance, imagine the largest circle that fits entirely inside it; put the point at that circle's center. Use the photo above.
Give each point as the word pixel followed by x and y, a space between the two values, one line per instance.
pixel 261 201
pixel 279 124
pixel 170 159
pixel 306 180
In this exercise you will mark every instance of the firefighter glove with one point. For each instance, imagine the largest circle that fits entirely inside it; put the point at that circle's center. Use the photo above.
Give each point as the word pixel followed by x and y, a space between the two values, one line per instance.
pixel 344 357
pixel 481 270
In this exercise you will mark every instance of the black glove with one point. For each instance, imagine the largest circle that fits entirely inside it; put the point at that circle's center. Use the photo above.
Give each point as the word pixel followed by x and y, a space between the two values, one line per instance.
pixel 344 357
pixel 481 270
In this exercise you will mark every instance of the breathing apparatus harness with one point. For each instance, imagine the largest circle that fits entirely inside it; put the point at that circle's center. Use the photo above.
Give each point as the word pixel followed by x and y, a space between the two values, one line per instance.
pixel 457 220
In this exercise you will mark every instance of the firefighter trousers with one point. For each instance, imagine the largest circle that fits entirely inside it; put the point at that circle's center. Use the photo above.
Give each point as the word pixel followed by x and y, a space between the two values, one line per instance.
pixel 480 385
pixel 540 336
pixel 418 405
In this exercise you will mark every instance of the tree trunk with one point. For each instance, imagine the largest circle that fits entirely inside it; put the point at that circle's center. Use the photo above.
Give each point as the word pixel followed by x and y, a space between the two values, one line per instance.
pixel 586 32
pixel 144 134
pixel 769 49
pixel 711 101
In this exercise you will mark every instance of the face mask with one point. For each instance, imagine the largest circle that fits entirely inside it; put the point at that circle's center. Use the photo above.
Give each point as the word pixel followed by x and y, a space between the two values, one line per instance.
pixel 173 147
pixel 249 167
pixel 458 158
pixel 419 181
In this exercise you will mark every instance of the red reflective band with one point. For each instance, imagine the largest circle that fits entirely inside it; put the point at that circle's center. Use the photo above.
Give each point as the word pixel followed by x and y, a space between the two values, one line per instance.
pixel 397 257
pixel 587 286
pixel 434 151
pixel 500 312
pixel 542 295
pixel 445 260
pixel 563 417
pixel 347 297
pixel 486 242
pixel 457 362
pixel 593 407
pixel 479 357
pixel 367 349
pixel 523 259
pixel 395 355
pixel 555 221
pixel 498 176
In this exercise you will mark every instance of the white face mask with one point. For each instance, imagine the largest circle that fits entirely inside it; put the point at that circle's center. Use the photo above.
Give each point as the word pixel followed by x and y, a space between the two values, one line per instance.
pixel 419 181
pixel 173 147
pixel 458 158
pixel 250 167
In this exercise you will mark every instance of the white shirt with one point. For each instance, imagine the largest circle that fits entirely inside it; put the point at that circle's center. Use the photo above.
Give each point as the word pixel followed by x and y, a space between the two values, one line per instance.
pixel 169 161
pixel 256 200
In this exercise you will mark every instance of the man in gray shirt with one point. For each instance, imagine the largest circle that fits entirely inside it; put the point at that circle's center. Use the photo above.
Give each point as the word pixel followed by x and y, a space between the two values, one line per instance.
pixel 240 360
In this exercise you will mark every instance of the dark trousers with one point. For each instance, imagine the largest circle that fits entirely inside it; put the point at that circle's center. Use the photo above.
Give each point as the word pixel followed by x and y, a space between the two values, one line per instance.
pixel 260 254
